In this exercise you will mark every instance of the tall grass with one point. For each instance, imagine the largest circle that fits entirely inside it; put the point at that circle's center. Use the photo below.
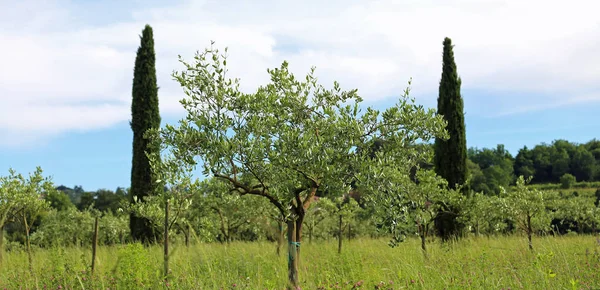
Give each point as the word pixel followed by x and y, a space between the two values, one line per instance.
pixel 476 263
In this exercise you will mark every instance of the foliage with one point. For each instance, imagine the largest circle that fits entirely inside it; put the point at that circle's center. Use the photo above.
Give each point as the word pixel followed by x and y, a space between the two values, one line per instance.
pixel 549 162
pixel 59 200
pixel 450 158
pixel 72 227
pixel 486 214
pixel 579 209
pixel 238 218
pixel 525 206
pixel 22 201
pixel 22 197
pixel 545 163
pixel 414 205
pixel 345 211
pixel 106 200
pixel 491 169
pixel 55 232
pixel 316 217
pixel 290 136
pixel 567 181
pixel 144 116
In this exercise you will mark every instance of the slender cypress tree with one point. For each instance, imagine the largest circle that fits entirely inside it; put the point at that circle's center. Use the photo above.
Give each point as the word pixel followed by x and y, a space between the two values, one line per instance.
pixel 144 115
pixel 450 158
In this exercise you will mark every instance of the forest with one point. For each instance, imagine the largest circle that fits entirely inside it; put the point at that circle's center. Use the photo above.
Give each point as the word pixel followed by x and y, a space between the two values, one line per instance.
pixel 305 187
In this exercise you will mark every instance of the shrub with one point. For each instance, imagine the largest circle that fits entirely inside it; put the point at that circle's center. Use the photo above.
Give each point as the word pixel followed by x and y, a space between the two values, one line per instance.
pixel 567 181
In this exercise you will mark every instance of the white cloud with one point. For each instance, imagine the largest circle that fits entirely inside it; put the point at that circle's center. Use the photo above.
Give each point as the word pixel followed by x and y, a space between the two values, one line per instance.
pixel 58 75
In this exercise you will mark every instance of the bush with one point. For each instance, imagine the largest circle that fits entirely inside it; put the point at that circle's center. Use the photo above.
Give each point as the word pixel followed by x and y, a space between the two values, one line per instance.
pixel 567 181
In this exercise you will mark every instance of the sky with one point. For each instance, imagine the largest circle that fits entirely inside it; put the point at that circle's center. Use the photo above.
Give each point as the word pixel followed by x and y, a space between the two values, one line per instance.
pixel 530 69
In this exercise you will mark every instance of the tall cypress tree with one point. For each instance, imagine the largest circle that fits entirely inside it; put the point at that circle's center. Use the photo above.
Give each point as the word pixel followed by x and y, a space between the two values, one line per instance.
pixel 450 158
pixel 144 115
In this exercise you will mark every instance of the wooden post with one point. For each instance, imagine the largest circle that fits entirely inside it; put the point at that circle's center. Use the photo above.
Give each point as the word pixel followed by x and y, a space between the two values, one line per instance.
pixel 166 241
pixel 340 234
pixel 529 230
pixel 94 244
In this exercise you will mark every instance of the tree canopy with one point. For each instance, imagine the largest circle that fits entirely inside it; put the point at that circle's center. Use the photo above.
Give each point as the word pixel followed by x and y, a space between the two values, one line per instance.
pixel 289 138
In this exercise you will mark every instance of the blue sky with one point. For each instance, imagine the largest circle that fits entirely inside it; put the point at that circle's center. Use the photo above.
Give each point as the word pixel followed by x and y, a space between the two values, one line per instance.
pixel 67 67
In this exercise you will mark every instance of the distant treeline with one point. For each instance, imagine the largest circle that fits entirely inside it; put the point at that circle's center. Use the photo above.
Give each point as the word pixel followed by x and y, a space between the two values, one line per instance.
pixel 101 199
pixel 545 163
pixel 490 168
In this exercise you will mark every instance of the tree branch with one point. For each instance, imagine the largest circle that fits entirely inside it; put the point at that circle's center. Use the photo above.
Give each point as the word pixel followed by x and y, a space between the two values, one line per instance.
pixel 315 183
pixel 309 198
pixel 254 191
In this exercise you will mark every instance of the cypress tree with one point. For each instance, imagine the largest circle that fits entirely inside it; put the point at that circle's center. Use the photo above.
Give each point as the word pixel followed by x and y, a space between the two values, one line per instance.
pixel 450 158
pixel 144 115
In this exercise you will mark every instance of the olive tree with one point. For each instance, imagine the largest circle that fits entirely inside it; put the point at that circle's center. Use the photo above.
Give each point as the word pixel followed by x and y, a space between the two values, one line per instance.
pixel 21 200
pixel 486 214
pixel 580 209
pixel 414 204
pixel 526 207
pixel 292 136
pixel 238 217
pixel 345 207
pixel 321 209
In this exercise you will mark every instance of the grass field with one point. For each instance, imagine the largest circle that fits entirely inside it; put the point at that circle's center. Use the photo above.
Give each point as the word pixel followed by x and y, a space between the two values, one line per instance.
pixel 477 263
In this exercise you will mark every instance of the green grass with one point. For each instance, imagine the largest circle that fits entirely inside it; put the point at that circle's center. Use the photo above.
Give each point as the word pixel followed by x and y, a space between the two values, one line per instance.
pixel 475 263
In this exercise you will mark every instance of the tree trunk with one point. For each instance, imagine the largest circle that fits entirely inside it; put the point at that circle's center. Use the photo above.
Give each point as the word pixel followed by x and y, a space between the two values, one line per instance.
pixel 166 242
pixel 223 229
pixel 280 235
pixel 529 230
pixel 293 255
pixel 340 233
pixel 310 233
pixel 29 255
pixel 349 231
pixel 94 244
pixel 299 223
pixel 424 245
pixel 187 235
